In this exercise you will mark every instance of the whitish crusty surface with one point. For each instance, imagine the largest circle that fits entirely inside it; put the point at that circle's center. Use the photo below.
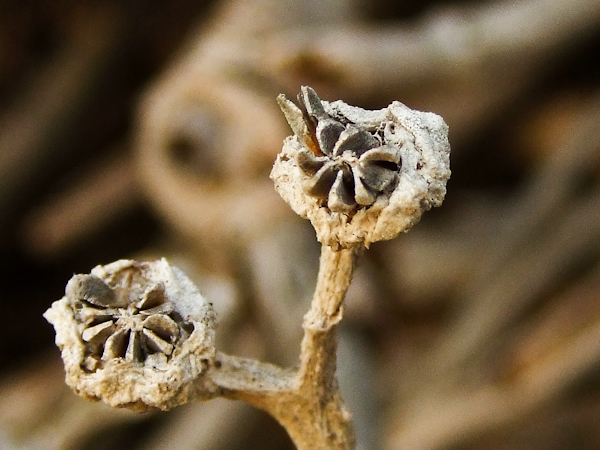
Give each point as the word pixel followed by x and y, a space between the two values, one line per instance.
pixel 145 343
pixel 420 138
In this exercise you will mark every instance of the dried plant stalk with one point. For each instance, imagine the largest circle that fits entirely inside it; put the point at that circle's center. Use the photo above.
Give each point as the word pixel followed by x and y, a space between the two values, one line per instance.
pixel 307 402
pixel 139 334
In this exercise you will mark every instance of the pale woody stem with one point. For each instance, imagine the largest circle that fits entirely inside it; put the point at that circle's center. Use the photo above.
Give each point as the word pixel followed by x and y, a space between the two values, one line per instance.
pixel 308 402
pixel 335 275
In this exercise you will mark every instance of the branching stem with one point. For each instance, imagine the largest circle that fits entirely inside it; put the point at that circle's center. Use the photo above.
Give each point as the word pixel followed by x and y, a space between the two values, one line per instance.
pixel 307 401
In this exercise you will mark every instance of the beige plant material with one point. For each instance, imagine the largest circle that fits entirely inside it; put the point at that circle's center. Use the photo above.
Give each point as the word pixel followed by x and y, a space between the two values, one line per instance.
pixel 146 372
pixel 230 134
pixel 135 334
pixel 139 335
pixel 306 401
pixel 361 176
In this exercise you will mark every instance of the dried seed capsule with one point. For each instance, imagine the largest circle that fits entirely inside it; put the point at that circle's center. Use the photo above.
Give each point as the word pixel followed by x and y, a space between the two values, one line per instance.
pixel 134 334
pixel 372 173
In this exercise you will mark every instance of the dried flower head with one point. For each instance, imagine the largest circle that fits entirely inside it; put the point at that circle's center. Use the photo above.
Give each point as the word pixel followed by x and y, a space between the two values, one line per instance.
pixel 360 176
pixel 134 334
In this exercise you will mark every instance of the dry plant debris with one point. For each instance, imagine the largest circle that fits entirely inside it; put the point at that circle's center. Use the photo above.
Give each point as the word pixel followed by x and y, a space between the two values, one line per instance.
pixel 456 314
pixel 134 335
pixel 139 335
pixel 361 176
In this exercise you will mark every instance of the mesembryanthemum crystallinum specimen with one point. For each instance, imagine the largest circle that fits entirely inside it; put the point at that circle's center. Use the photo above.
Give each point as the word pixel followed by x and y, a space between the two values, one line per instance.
pixel 361 176
pixel 135 334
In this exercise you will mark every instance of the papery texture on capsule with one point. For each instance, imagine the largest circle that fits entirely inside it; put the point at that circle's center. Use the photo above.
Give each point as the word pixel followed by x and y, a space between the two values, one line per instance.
pixel 135 334
pixel 361 176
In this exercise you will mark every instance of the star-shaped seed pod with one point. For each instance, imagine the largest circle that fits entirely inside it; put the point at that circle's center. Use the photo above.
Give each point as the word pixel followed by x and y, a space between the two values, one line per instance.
pixel 135 334
pixel 360 176
pixel 119 328
pixel 345 166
